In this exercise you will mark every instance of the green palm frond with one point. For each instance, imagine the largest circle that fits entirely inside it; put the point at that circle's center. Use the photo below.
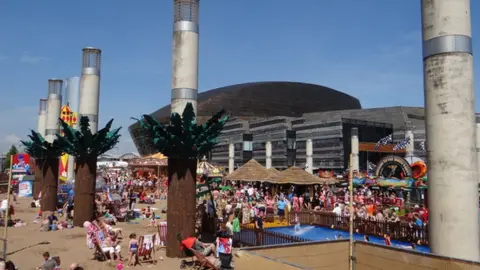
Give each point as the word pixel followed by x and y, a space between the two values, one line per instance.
pixel 39 148
pixel 183 138
pixel 82 143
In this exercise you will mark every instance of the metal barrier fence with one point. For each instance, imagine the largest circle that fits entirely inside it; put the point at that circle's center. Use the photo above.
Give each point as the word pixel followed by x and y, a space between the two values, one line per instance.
pixel 398 230
pixel 250 236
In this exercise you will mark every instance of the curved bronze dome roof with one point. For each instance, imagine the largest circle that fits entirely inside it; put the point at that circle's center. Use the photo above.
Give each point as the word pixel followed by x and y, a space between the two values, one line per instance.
pixel 262 99
pixel 267 99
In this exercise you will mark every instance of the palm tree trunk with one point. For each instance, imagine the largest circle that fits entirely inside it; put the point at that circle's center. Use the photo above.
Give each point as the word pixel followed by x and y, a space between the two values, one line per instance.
pixel 181 203
pixel 85 180
pixel 37 180
pixel 50 184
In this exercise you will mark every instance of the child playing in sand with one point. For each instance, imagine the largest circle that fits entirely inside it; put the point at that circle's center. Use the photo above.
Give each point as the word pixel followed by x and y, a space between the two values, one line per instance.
pixel 133 250
pixel 45 227
pixel 54 225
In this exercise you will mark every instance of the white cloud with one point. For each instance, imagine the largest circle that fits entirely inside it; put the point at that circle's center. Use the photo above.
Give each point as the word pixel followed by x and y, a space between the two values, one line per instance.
pixel 125 145
pixel 12 139
pixel 30 59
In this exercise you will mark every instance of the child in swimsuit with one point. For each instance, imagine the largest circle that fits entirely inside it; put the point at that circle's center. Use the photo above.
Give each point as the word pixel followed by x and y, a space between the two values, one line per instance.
pixel 133 249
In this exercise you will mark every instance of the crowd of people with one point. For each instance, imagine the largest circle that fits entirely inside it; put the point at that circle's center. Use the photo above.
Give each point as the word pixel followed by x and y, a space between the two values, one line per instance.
pixel 233 204
pixel 247 203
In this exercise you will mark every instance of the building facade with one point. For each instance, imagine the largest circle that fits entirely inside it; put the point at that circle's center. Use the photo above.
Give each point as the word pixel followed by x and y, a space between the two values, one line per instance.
pixel 328 132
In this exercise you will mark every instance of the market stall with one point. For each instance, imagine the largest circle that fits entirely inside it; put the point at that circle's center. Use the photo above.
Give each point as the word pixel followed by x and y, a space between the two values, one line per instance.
pixel 145 167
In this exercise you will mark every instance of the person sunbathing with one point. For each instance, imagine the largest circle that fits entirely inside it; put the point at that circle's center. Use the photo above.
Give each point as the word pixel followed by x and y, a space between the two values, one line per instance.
pixel 109 248
pixel 205 248
pixel 118 231
pixel 109 218
pixel 148 212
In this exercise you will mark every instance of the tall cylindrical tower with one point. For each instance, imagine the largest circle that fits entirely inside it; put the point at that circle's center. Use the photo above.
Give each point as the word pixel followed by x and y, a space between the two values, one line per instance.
pixel 185 54
pixel 72 96
pixel 450 125
pixel 72 93
pixel 54 105
pixel 478 151
pixel 309 153
pixel 42 117
pixel 90 86
pixel 355 150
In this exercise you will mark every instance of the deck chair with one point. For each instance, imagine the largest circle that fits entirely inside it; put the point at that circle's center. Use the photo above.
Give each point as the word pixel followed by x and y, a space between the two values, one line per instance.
pixel 97 242
pixel 162 233
pixel 202 260
pixel 146 249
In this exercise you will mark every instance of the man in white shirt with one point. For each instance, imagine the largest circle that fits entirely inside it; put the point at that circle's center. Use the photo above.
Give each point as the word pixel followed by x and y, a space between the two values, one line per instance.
pixel 250 191
pixel 337 210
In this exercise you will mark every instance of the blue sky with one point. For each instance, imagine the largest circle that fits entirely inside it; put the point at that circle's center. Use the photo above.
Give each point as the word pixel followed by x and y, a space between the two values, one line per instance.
pixel 369 49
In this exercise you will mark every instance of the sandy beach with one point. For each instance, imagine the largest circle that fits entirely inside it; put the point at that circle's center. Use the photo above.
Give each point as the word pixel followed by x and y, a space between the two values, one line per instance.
pixel 24 250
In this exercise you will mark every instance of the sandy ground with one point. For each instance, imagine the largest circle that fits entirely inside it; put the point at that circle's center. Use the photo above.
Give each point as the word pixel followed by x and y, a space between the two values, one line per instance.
pixel 70 244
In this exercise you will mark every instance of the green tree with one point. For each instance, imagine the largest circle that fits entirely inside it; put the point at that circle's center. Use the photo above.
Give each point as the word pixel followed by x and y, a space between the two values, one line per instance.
pixel 46 157
pixel 86 147
pixel 13 151
pixel 183 142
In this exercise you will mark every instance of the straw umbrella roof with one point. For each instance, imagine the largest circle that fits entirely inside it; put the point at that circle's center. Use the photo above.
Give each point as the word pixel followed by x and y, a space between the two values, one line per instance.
pixel 274 173
pixel 252 171
pixel 298 176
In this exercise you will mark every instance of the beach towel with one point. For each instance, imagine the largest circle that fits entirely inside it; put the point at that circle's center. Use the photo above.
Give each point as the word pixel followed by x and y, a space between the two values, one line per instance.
pixel 91 231
pixel 148 241
pixel 162 228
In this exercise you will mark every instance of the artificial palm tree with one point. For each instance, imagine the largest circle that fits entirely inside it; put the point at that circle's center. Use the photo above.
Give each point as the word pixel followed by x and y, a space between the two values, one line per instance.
pixel 86 147
pixel 46 156
pixel 183 142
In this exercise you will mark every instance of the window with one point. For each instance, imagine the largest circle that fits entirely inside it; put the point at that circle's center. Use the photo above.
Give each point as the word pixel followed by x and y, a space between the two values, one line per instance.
pixel 235 126
pixel 301 144
pixel 267 123
pixel 332 124
pixel 220 148
pixel 319 143
pixel 258 146
pixel 238 146
pixel 278 145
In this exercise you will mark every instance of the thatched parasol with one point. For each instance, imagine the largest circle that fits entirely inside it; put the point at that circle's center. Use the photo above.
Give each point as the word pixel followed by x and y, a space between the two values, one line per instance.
pixel 298 176
pixel 274 173
pixel 252 171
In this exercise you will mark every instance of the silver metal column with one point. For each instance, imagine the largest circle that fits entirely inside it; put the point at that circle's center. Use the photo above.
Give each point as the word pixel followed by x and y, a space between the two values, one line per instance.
pixel 89 100
pixel 450 126
pixel 309 153
pixel 54 105
pixel 42 117
pixel 231 157
pixel 355 150
pixel 72 97
pixel 268 154
pixel 478 151
pixel 185 55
